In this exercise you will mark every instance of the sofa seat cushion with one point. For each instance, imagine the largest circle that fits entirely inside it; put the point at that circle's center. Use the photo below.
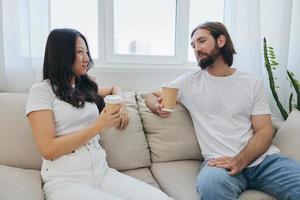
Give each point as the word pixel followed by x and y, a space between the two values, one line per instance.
pixel 142 174
pixel 287 138
pixel 257 195
pixel 170 138
pixel 127 149
pixel 17 145
pixel 178 179
pixel 20 184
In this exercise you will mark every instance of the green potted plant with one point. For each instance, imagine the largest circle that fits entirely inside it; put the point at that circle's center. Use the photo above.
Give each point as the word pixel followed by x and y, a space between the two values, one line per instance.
pixel 270 64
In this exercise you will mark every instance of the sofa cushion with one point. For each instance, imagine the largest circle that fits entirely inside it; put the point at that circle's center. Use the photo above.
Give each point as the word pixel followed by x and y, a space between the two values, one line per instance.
pixel 170 138
pixel 254 194
pixel 20 184
pixel 127 149
pixel 142 174
pixel 17 146
pixel 177 178
pixel 287 138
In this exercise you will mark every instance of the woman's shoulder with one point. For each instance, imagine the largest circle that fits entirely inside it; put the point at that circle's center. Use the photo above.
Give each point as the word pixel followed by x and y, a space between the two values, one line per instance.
pixel 41 84
pixel 41 87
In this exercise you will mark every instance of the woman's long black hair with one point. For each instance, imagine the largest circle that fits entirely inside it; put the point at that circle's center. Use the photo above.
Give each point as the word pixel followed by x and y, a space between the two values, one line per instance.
pixel 59 58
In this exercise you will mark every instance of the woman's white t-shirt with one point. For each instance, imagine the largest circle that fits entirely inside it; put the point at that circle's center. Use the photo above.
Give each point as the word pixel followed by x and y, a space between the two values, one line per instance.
pixel 220 108
pixel 67 118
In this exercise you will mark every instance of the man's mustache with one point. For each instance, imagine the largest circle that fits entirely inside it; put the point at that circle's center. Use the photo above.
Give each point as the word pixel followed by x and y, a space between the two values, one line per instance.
pixel 199 53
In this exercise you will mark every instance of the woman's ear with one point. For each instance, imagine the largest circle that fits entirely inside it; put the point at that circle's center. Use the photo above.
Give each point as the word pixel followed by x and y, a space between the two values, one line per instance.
pixel 221 41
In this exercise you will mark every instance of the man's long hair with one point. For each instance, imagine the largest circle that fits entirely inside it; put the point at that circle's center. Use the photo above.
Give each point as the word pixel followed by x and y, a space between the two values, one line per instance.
pixel 59 58
pixel 216 29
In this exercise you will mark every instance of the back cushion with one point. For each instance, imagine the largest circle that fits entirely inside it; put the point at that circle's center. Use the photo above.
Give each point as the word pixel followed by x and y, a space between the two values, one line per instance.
pixel 170 138
pixel 127 149
pixel 287 138
pixel 17 146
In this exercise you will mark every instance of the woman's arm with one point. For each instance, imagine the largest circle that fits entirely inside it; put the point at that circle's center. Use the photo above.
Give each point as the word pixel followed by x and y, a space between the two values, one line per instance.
pixel 50 146
pixel 114 90
pixel 109 90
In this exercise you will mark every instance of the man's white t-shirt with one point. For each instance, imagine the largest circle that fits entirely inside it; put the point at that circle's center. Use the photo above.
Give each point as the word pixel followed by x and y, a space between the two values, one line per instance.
pixel 220 108
pixel 67 118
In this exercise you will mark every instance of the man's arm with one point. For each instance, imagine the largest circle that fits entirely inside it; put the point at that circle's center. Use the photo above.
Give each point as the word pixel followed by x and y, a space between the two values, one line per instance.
pixel 154 102
pixel 257 145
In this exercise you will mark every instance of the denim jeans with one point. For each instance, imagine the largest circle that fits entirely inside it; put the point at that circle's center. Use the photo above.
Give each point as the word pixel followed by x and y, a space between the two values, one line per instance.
pixel 276 175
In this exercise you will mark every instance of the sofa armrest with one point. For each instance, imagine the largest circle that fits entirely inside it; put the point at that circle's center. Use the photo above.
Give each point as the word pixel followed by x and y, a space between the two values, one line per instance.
pixel 277 124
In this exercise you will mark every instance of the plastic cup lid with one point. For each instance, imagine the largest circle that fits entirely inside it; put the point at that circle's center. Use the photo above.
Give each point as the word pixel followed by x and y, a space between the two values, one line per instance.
pixel 113 99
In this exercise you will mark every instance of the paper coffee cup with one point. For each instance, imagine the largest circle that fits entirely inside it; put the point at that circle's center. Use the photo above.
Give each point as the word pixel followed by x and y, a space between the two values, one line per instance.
pixel 112 101
pixel 169 96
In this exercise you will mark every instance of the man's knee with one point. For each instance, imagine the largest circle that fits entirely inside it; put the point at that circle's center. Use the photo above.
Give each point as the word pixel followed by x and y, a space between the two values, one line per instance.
pixel 215 183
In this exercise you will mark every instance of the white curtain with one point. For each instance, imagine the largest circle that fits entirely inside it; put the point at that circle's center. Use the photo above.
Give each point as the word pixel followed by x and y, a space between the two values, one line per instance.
pixel 22 40
pixel 248 22
pixel 242 19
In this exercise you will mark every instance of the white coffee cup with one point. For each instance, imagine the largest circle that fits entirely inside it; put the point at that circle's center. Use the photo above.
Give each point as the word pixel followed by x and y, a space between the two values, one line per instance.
pixel 112 101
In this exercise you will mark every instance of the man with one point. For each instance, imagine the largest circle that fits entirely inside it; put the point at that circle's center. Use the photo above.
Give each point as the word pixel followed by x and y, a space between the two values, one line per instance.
pixel 232 121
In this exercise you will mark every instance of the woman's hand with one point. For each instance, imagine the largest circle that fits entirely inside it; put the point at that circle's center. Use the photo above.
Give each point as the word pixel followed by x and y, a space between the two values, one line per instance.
pixel 109 118
pixel 124 117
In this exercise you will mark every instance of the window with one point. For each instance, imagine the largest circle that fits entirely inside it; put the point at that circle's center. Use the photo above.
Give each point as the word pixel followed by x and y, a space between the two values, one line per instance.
pixel 144 27
pixel 82 16
pixel 136 31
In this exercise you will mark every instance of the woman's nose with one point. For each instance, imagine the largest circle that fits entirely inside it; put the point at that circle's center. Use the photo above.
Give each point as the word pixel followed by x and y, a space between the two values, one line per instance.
pixel 86 58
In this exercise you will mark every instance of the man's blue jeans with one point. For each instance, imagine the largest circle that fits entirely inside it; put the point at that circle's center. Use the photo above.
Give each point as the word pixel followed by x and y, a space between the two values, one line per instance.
pixel 276 175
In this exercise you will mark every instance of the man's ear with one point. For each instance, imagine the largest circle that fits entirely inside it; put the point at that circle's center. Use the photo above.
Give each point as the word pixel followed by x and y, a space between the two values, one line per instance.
pixel 221 41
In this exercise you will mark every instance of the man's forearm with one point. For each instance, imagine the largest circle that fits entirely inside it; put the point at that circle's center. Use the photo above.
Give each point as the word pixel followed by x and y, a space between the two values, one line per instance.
pixel 257 145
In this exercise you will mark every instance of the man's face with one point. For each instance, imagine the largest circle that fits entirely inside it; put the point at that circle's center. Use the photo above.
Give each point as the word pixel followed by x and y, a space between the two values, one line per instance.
pixel 205 47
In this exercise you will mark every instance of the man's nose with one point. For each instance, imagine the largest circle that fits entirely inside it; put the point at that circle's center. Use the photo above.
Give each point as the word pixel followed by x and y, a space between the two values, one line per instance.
pixel 197 51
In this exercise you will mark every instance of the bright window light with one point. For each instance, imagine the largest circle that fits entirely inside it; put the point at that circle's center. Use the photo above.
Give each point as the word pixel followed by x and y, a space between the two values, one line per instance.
pixel 77 14
pixel 143 27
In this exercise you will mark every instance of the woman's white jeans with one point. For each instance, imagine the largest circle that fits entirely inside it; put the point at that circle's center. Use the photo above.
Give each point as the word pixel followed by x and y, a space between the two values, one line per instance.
pixel 84 174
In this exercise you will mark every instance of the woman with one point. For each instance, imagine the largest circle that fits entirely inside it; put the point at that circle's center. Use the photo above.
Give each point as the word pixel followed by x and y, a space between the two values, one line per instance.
pixel 63 112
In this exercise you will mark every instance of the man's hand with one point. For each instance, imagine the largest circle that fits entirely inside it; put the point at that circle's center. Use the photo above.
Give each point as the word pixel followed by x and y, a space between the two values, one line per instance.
pixel 159 106
pixel 232 164
pixel 154 103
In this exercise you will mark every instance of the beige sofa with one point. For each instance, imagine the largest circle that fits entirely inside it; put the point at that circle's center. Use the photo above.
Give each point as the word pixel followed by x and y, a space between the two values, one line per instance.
pixel 161 152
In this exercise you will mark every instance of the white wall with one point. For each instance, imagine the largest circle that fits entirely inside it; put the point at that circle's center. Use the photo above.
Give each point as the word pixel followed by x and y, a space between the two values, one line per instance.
pixel 294 58
pixel 2 61
pixel 139 77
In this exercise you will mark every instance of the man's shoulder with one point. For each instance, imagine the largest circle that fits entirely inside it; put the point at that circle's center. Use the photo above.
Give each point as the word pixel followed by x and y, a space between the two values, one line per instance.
pixel 247 76
pixel 193 73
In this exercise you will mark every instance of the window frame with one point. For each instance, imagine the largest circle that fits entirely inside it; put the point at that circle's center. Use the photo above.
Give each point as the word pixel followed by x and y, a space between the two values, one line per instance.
pixel 107 57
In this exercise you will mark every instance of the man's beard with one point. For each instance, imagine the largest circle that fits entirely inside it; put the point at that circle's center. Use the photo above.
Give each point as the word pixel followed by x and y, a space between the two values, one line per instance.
pixel 210 58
